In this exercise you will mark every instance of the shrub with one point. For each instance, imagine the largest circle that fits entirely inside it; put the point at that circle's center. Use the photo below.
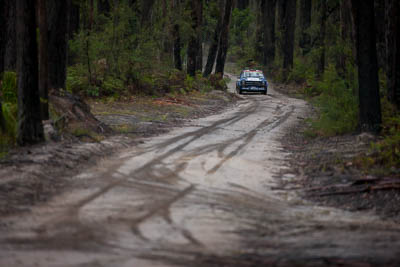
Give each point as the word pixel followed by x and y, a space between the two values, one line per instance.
pixel 338 109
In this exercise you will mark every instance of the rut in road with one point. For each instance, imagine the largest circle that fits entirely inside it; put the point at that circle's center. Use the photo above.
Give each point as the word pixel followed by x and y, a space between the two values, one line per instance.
pixel 198 196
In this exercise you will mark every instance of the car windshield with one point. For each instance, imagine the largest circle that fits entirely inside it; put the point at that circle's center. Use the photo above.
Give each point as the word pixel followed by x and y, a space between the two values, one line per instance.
pixel 253 74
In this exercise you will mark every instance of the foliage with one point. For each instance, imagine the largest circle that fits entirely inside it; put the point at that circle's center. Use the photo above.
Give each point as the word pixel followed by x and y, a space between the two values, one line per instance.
pixel 337 105
pixel 9 87
pixel 387 150
pixel 8 94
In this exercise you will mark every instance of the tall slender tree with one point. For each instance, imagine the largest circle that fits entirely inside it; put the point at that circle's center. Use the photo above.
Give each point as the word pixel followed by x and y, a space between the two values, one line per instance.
pixel 57 42
pixel 305 23
pixel 223 41
pixel 43 61
pixel 10 54
pixel 369 101
pixel 176 36
pixel 287 20
pixel 213 49
pixel 194 43
pixel 30 128
pixel 393 51
pixel 321 37
pixel 2 35
pixel 199 57
pixel 269 12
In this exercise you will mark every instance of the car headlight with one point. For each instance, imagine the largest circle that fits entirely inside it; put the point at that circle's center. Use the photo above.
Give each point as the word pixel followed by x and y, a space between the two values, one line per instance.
pixel 243 82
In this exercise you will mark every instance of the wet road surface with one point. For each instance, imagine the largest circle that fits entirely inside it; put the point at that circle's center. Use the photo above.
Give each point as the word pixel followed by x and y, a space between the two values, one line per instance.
pixel 201 195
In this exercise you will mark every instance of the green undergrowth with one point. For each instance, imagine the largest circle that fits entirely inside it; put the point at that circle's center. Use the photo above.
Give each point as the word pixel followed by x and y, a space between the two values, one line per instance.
pixel 336 103
pixel 8 97
pixel 384 155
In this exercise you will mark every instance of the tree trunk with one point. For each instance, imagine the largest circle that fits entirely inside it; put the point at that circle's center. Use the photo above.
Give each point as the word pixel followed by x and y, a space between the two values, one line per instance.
pixel 269 12
pixel 321 38
pixel 393 51
pixel 212 51
pixel 3 39
pixel 259 38
pixel 10 54
pixel 30 128
pixel 223 41
pixel 369 100
pixel 177 38
pixel 103 7
pixel 193 46
pixel 146 6
pixel 57 12
pixel 199 57
pixel 305 23
pixel 43 61
pixel 287 17
pixel 74 19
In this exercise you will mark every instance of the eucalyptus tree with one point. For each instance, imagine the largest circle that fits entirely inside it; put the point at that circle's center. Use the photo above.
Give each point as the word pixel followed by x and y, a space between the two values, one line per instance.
pixel 368 92
pixel 30 128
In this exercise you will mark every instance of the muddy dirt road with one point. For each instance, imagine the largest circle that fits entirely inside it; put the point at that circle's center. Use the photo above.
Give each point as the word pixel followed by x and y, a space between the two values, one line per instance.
pixel 201 195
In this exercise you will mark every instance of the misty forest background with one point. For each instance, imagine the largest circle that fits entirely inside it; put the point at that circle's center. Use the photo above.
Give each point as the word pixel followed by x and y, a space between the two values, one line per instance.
pixel 341 55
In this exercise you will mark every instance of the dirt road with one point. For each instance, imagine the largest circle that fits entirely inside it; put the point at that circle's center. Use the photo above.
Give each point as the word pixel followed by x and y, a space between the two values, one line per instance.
pixel 201 195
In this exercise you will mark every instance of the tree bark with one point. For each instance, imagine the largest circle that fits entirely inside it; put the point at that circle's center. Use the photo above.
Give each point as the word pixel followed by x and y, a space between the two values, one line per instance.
pixel 212 51
pixel 146 6
pixel 369 100
pixel 269 12
pixel 10 54
pixel 57 12
pixel 176 36
pixel 74 19
pixel 223 41
pixel 199 56
pixel 30 128
pixel 287 20
pixel 393 51
pixel 194 42
pixel 305 23
pixel 43 61
pixel 2 35
pixel 321 37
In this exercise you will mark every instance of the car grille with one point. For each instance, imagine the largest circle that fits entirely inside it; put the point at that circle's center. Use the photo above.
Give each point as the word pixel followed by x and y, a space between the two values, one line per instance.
pixel 254 83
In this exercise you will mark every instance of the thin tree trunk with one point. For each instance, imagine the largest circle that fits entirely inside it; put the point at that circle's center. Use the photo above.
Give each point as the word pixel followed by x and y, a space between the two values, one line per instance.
pixel 269 12
pixel 3 39
pixel 212 52
pixel 287 17
pixel 199 57
pixel 57 18
pixel 193 46
pixel 321 42
pixel 146 6
pixel 223 41
pixel 176 37
pixel 369 100
pixel 258 46
pixel 305 23
pixel 30 128
pixel 393 51
pixel 43 61
pixel 74 19
pixel 10 54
